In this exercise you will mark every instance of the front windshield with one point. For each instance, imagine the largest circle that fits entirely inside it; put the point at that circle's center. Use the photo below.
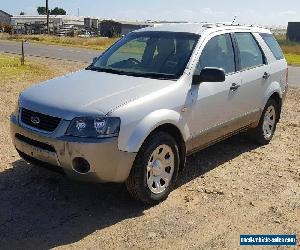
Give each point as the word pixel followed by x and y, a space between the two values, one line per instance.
pixel 149 54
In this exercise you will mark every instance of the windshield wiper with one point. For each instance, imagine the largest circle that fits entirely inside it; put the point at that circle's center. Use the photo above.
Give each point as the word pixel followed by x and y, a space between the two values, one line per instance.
pixel 107 70
pixel 154 75
pixel 130 73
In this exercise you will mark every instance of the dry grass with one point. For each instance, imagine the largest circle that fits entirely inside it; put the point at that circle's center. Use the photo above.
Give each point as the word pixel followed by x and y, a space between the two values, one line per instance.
pixel 99 43
pixel 293 59
pixel 288 47
pixel 12 70
pixel 35 69
pixel 291 50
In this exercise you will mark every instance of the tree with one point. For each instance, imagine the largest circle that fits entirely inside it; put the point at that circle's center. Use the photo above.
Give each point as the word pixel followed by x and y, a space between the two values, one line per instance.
pixel 22 13
pixel 58 11
pixel 41 10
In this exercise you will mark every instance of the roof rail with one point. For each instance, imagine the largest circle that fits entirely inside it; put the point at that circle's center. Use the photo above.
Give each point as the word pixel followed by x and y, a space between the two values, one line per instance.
pixel 211 25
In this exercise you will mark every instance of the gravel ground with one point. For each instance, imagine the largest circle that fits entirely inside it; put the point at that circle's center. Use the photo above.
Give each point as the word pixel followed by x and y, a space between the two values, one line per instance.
pixel 229 189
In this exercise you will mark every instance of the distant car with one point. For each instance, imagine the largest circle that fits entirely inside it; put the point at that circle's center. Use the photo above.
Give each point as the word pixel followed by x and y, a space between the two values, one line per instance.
pixel 156 96
pixel 85 35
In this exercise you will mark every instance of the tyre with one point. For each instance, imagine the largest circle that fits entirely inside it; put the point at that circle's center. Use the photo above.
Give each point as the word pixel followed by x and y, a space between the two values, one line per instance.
pixel 155 169
pixel 266 128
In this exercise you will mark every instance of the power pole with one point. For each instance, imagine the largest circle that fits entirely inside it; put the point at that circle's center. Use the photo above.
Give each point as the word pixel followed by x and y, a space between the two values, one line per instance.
pixel 47 12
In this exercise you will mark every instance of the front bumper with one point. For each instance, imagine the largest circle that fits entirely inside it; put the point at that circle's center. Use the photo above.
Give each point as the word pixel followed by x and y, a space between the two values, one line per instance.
pixel 107 162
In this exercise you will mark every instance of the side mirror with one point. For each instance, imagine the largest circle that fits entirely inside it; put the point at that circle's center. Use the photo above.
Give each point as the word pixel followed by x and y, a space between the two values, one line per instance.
pixel 209 75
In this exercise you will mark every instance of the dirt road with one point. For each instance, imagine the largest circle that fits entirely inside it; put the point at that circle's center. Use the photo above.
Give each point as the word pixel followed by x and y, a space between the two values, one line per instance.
pixel 229 189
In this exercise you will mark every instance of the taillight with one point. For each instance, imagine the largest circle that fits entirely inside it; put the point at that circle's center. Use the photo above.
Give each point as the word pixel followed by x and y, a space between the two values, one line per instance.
pixel 287 75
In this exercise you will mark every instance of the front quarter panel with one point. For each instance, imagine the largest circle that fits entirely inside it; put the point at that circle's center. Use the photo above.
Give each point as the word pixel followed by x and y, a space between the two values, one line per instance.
pixel 133 137
pixel 140 117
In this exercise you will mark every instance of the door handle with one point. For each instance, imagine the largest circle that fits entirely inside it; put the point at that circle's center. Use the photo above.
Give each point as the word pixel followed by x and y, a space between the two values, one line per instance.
pixel 234 87
pixel 266 76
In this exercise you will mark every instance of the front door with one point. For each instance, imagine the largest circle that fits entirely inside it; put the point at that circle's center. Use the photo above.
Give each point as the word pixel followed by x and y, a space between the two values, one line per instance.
pixel 212 112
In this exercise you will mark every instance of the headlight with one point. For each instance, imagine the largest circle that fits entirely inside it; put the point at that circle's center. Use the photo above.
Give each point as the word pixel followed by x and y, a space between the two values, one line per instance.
pixel 98 127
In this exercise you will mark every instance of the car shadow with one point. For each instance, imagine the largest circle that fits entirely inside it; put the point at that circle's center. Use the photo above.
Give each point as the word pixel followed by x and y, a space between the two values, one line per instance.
pixel 41 209
pixel 207 159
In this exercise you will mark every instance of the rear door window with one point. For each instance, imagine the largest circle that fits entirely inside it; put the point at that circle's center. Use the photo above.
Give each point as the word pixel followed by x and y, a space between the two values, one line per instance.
pixel 251 55
pixel 273 45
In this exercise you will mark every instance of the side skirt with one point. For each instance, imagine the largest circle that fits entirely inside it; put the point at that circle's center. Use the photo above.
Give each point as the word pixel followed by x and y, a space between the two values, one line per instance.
pixel 221 132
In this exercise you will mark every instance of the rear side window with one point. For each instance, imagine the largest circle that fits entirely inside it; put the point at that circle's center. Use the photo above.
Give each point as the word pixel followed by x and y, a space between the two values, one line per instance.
pixel 273 45
pixel 250 53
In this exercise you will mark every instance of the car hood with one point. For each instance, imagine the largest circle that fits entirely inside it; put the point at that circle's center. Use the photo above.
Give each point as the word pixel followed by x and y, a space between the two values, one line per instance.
pixel 87 93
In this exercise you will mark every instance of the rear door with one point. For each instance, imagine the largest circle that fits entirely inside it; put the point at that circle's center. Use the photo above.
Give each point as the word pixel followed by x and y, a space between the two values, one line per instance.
pixel 255 74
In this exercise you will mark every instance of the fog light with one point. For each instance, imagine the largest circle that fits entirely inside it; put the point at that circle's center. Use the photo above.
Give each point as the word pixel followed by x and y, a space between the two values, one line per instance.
pixel 80 165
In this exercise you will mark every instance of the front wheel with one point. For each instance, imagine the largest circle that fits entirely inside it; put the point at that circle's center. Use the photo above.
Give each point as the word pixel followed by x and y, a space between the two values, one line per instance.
pixel 155 169
pixel 266 128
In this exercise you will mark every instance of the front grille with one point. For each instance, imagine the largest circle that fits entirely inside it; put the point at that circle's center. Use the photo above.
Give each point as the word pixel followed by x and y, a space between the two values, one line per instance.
pixel 45 122
pixel 35 143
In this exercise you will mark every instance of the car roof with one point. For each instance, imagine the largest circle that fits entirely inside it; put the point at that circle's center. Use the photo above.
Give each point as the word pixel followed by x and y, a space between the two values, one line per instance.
pixel 199 28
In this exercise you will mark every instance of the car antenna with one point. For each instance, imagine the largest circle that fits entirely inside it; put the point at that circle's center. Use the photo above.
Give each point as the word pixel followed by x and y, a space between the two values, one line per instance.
pixel 233 20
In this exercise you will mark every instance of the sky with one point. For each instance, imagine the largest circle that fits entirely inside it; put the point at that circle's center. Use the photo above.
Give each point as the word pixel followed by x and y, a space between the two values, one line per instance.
pixel 259 12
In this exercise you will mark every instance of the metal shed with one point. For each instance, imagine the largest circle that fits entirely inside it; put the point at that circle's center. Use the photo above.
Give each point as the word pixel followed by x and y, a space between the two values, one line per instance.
pixel 293 31
pixel 5 18
pixel 110 28
pixel 128 27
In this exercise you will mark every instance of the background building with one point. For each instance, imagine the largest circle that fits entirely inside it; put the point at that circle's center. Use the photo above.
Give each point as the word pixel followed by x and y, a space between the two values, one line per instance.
pixel 293 31
pixel 5 18
pixel 65 25
pixel 127 27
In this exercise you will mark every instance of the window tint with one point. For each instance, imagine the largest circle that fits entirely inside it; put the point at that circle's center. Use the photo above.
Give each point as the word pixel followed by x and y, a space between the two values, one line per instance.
pixel 250 53
pixel 218 52
pixel 273 45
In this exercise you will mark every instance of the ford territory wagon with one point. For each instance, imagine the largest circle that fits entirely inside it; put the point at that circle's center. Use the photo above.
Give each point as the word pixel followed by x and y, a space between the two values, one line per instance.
pixel 154 97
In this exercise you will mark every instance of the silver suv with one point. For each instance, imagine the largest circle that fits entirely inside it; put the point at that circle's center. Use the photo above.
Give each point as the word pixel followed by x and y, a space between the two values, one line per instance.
pixel 154 97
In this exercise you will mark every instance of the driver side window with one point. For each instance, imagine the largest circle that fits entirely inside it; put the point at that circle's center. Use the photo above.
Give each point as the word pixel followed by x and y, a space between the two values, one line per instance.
pixel 132 50
pixel 218 53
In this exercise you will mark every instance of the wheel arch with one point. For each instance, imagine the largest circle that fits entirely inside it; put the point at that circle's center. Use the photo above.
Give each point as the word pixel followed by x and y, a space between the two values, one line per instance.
pixel 276 97
pixel 168 121
pixel 274 92
pixel 174 131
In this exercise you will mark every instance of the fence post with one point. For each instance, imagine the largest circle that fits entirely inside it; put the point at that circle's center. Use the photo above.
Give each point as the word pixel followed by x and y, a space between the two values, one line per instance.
pixel 23 54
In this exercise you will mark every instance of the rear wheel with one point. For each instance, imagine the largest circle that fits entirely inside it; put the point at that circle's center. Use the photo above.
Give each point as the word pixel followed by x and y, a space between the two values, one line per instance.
pixel 266 128
pixel 155 169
